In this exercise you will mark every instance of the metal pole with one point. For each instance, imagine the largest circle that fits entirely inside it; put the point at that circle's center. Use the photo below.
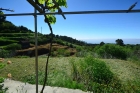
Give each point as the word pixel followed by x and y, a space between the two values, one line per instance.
pixel 76 12
pixel 36 50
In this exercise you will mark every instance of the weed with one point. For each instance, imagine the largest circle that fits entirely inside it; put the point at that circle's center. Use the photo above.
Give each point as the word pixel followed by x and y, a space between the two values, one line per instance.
pixel 2 65
pixel 1 79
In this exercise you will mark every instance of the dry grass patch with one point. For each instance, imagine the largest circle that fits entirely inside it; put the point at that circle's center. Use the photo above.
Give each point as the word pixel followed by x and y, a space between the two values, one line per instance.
pixel 125 70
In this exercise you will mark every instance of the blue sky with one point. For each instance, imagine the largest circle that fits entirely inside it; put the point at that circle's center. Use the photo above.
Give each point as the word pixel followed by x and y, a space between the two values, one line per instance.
pixel 92 28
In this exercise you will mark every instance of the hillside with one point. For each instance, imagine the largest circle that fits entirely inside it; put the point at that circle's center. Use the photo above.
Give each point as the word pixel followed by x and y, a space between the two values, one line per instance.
pixel 20 40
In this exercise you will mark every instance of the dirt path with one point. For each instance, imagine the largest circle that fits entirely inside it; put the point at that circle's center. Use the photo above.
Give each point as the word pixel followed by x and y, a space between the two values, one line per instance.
pixel 125 70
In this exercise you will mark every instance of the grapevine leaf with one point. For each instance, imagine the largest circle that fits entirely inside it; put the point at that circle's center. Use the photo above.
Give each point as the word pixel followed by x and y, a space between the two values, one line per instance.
pixel 41 1
pixel 62 3
pixel 51 18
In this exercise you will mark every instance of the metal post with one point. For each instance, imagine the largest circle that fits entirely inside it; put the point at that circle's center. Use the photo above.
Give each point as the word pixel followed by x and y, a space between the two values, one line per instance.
pixel 36 50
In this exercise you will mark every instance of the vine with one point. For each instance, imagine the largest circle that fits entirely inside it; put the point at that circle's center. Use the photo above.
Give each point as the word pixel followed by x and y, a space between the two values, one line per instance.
pixel 49 6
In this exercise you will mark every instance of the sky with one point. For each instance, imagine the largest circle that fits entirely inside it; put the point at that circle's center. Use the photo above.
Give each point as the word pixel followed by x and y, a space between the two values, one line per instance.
pixel 92 28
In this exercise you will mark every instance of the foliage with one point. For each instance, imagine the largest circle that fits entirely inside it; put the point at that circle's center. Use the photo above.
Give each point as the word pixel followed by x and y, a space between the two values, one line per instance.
pixel 2 18
pixel 13 46
pixel 63 74
pixel 2 65
pixel 60 52
pixel 3 90
pixel 62 79
pixel 119 42
pixel 113 51
pixel 52 8
pixel 102 43
pixel 4 41
pixel 1 79
pixel 95 75
pixel 6 53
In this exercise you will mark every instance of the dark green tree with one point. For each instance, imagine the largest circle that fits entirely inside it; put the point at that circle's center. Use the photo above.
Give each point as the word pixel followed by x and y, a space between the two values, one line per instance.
pixel 2 18
pixel 102 43
pixel 119 42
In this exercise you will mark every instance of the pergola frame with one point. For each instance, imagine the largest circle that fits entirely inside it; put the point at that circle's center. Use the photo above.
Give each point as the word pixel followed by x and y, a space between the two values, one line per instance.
pixel 66 13
pixel 75 12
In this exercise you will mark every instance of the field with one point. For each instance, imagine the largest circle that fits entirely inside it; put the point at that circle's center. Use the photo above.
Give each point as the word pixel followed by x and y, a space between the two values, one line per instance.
pixel 61 69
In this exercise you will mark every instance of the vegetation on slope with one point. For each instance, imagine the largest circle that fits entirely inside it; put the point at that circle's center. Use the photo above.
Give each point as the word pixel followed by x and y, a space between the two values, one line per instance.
pixel 88 73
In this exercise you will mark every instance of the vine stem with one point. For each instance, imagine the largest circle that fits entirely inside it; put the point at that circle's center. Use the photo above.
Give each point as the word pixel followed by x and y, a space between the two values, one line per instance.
pixel 46 69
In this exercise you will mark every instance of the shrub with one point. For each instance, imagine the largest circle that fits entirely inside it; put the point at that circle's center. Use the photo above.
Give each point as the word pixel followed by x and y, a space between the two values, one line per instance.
pixel 4 41
pixel 95 75
pixel 7 53
pixel 1 79
pixel 112 50
pixel 13 46
pixel 97 70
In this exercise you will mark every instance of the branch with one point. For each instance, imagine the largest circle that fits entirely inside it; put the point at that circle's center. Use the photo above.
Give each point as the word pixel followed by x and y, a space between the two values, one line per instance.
pixel 6 9
pixel 59 9
pixel 35 5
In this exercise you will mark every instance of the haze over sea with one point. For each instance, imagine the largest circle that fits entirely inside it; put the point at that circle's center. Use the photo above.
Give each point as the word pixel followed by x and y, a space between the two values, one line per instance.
pixel 126 41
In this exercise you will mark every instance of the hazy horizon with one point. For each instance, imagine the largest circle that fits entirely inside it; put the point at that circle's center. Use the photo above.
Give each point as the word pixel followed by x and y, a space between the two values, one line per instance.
pixel 97 41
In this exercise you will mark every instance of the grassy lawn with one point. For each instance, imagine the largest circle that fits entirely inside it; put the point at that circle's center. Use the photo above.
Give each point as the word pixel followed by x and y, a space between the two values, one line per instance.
pixel 126 71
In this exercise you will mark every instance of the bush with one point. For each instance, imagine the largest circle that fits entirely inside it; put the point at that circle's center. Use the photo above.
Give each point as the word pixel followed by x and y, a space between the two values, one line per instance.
pixel 113 51
pixel 13 46
pixel 6 53
pixel 1 79
pixel 4 41
pixel 95 75
pixel 98 70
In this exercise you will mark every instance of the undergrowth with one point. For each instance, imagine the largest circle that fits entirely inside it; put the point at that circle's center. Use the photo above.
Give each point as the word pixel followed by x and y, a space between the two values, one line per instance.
pixel 88 74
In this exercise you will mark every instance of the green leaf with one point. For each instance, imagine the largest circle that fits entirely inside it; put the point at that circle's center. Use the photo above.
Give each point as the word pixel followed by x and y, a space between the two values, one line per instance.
pixel 51 18
pixel 62 2
pixel 41 1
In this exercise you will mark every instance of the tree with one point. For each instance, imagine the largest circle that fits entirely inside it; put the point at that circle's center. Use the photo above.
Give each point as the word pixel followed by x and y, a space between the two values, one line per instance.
pixel 119 42
pixel 2 18
pixel 102 43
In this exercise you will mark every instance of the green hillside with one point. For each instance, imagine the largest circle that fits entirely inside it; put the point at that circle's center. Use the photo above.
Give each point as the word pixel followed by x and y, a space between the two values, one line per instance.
pixel 19 38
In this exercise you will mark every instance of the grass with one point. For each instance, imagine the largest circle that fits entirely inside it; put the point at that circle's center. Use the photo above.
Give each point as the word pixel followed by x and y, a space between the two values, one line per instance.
pixel 125 70
pixel 66 72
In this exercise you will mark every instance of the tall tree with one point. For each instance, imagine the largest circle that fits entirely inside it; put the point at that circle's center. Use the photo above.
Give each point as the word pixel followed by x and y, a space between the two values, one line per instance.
pixel 119 42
